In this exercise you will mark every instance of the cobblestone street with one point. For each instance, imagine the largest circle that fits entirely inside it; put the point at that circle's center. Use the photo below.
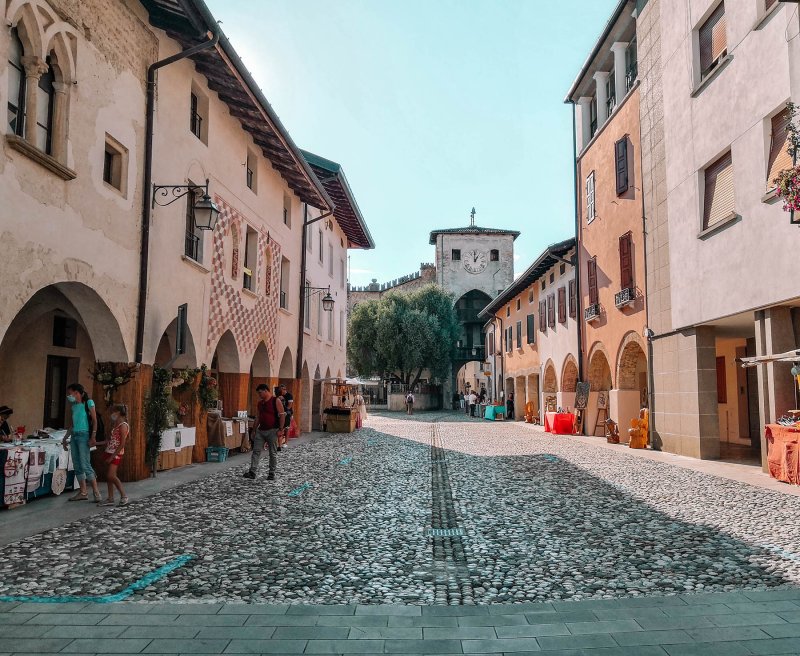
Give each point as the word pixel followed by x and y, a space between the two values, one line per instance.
pixel 430 510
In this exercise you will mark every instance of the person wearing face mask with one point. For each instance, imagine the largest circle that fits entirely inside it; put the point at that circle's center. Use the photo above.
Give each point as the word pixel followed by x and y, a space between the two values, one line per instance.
pixel 115 449
pixel 83 437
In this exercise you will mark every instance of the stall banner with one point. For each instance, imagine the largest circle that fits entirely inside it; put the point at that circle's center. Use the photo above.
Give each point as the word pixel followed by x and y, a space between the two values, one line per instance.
pixel 36 463
pixel 15 472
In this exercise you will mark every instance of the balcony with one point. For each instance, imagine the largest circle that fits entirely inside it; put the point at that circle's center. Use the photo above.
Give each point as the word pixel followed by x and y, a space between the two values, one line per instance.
pixel 625 297
pixel 630 76
pixel 592 313
pixel 470 353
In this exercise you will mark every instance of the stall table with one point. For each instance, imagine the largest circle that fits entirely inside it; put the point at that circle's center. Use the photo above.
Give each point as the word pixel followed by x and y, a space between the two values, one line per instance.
pixel 783 448
pixel 177 445
pixel 492 412
pixel 559 423
pixel 26 470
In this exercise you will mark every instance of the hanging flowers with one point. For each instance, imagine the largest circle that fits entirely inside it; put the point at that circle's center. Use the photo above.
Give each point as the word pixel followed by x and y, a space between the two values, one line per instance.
pixel 207 390
pixel 112 376
pixel 788 181
pixel 184 378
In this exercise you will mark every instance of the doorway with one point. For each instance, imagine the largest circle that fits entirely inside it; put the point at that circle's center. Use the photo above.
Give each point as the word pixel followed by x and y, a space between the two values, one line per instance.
pixel 60 372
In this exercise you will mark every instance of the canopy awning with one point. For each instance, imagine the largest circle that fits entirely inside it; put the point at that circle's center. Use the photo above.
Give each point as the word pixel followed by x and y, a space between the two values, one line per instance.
pixel 789 356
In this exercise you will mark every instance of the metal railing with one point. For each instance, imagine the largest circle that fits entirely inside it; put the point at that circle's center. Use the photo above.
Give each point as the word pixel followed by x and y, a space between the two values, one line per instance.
pixel 477 353
pixel 284 301
pixel 191 246
pixel 630 75
pixel 625 297
pixel 592 312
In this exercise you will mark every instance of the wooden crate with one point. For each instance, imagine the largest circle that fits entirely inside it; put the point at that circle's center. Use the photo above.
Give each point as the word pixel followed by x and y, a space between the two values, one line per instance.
pixel 340 423
pixel 173 459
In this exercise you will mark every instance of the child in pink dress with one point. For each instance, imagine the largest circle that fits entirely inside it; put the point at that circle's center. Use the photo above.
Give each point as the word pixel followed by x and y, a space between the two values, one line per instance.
pixel 115 449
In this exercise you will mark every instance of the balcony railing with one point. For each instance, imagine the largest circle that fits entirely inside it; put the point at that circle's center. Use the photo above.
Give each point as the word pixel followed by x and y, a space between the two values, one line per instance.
pixel 611 103
pixel 284 301
pixel 630 76
pixel 625 297
pixel 470 353
pixel 593 127
pixel 592 313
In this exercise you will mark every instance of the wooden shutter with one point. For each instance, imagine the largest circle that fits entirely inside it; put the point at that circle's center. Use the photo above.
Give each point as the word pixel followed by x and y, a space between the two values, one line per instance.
pixel 779 157
pixel 519 334
pixel 590 210
pixel 530 330
pixel 769 4
pixel 573 299
pixel 542 316
pixel 625 261
pixel 551 310
pixel 562 305
pixel 591 271
pixel 621 158
pixel 722 382
pixel 713 39
pixel 719 201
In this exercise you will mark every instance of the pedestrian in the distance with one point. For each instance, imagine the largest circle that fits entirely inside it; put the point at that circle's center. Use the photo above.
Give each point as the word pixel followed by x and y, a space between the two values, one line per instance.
pixel 510 407
pixel 473 400
pixel 270 422
pixel 115 449
pixel 83 436
pixel 410 403
pixel 288 405
pixel 461 400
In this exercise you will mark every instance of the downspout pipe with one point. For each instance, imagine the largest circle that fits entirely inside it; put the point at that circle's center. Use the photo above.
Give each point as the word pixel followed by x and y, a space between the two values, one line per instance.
pixel 579 318
pixel 648 333
pixel 144 253
pixel 298 368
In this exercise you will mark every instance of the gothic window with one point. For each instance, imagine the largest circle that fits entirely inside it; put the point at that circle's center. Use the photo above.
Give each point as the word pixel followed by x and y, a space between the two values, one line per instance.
pixel 45 99
pixel 16 86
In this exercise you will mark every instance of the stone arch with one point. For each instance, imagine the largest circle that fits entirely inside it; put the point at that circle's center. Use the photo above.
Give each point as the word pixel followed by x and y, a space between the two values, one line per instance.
pixel 306 399
pixel 328 373
pixel 550 385
pixel 259 365
pixel 287 368
pixel 166 348
pixel 60 55
pixel 226 354
pixel 316 401
pixel 21 15
pixel 569 374
pixel 600 377
pixel 631 360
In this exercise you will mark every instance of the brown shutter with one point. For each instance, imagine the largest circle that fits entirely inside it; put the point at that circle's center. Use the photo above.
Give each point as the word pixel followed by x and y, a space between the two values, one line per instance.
pixel 625 261
pixel 573 299
pixel 562 305
pixel 530 329
pixel 722 382
pixel 621 157
pixel 719 199
pixel 779 157
pixel 551 310
pixel 591 271
pixel 713 39
pixel 542 316
pixel 769 4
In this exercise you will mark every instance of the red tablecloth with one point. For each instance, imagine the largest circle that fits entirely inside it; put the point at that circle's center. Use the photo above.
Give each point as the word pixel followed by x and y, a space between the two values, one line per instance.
pixel 560 424
pixel 782 453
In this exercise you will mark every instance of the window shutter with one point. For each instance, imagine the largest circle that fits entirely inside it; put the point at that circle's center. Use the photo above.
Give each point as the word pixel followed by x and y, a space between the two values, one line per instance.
pixel 551 310
pixel 573 299
pixel 625 261
pixel 562 305
pixel 590 211
pixel 621 156
pixel 719 200
pixel 713 40
pixel 542 316
pixel 722 382
pixel 779 157
pixel 591 271
pixel 519 334
pixel 530 330
pixel 769 4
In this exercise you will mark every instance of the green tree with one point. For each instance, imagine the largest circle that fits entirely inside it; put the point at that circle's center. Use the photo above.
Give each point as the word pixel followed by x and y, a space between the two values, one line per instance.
pixel 404 334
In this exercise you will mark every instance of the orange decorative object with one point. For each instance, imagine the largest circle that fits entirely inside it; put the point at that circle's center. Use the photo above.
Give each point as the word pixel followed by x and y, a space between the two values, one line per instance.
pixel 530 412
pixel 638 431
pixel 783 447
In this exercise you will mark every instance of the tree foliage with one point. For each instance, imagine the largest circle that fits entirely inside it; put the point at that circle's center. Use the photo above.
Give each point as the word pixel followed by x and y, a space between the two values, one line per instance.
pixel 404 334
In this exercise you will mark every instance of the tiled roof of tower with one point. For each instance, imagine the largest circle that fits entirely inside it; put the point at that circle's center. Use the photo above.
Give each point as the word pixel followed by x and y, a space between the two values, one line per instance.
pixel 535 271
pixel 347 214
pixel 472 230
pixel 187 22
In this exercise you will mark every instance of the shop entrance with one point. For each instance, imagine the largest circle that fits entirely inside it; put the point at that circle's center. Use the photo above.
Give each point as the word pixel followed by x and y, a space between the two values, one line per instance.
pixel 60 372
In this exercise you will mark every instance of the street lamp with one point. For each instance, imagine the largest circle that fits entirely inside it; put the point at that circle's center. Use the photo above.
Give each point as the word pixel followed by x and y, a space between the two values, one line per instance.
pixel 327 300
pixel 205 212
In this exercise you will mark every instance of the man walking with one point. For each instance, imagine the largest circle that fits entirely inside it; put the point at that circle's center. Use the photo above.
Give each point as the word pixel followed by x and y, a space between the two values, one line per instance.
pixel 473 399
pixel 270 422
pixel 410 403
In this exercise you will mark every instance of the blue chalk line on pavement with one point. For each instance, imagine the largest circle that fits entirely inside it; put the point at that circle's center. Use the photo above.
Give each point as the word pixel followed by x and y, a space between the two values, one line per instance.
pixel 346 461
pixel 299 490
pixel 782 552
pixel 122 595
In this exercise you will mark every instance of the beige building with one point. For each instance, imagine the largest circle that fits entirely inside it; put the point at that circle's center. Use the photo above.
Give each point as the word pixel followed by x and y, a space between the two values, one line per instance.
pixel 110 178
pixel 716 77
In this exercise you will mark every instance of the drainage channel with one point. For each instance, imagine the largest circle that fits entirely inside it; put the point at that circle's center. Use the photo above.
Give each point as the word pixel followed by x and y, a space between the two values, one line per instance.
pixel 452 584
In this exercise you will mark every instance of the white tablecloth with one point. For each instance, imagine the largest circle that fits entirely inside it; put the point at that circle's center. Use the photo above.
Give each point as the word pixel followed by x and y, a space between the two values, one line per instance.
pixel 174 439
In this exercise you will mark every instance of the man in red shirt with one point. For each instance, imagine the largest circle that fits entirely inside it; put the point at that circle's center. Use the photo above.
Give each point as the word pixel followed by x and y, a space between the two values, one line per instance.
pixel 269 426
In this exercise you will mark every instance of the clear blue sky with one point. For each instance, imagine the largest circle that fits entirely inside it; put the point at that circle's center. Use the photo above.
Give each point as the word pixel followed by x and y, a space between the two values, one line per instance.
pixel 432 107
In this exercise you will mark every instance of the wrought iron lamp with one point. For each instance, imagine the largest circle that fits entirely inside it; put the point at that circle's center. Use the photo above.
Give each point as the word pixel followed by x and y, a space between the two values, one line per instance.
pixel 327 300
pixel 205 212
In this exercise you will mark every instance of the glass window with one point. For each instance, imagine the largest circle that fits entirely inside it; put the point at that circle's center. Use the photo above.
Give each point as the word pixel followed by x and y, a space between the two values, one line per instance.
pixel 16 86
pixel 45 96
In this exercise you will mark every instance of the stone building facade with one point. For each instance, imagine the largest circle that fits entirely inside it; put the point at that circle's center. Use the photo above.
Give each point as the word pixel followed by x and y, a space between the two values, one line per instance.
pixel 110 258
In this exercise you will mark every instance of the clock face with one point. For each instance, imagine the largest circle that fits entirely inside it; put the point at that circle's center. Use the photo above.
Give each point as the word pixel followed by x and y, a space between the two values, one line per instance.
pixel 475 261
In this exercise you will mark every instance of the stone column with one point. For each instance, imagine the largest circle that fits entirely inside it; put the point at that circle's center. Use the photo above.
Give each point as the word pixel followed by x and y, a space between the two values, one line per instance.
pixel 619 49
pixel 600 80
pixel 584 105
pixel 60 112
pixel 774 334
pixel 35 67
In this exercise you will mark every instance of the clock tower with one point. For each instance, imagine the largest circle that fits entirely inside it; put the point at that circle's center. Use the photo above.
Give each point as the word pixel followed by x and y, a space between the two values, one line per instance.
pixel 474 264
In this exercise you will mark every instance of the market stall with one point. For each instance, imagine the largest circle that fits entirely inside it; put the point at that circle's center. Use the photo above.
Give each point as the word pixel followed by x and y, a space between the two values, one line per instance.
pixel 338 397
pixel 34 468
pixel 783 449
pixel 495 412
pixel 177 445
pixel 559 423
